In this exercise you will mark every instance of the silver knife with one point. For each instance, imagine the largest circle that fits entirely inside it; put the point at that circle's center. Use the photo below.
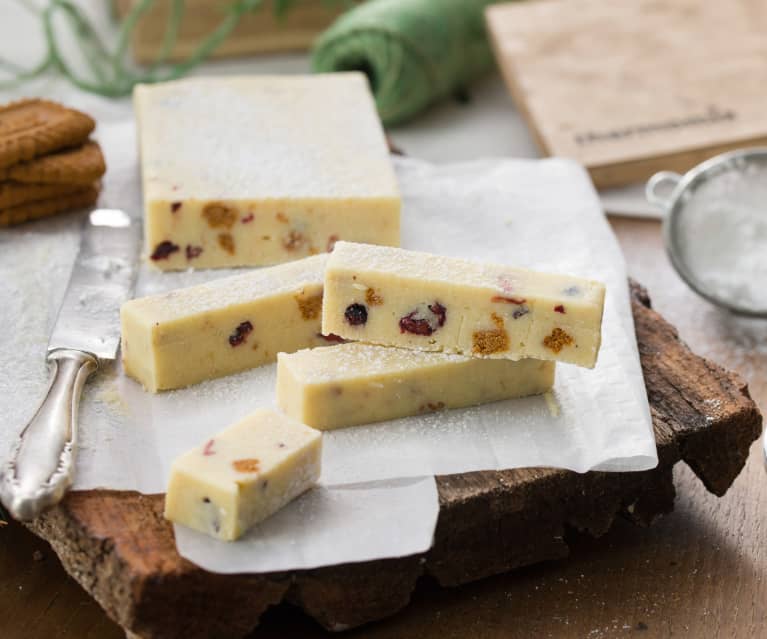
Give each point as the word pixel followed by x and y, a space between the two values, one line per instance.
pixel 86 334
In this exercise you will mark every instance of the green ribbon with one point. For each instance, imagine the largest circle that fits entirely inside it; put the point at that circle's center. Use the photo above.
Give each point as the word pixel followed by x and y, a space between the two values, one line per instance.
pixel 414 52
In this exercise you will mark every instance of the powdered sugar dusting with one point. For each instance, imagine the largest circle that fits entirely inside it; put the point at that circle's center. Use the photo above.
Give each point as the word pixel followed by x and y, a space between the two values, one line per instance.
pixel 723 235
pixel 263 137
pixel 234 290
pixel 496 278
pixel 347 361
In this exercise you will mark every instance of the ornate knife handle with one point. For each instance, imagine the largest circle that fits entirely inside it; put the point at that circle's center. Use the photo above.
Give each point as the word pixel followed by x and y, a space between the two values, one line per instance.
pixel 41 464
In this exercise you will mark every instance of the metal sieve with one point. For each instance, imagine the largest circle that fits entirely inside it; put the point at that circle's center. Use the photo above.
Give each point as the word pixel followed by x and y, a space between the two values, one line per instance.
pixel 731 190
pixel 715 228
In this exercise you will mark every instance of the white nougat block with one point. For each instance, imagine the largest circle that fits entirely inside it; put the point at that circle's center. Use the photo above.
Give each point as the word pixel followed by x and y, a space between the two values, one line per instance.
pixel 243 474
pixel 223 326
pixel 395 297
pixel 257 170
pixel 354 383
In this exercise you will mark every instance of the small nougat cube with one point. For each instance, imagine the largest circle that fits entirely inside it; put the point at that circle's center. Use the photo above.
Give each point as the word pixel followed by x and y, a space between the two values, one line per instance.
pixel 244 474
pixel 224 326
pixel 354 383
pixel 394 297
pixel 258 170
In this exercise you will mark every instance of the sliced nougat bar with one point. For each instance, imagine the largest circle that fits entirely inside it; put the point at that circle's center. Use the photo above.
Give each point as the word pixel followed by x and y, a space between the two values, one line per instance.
pixel 224 326
pixel 258 170
pixel 355 383
pixel 394 297
pixel 244 474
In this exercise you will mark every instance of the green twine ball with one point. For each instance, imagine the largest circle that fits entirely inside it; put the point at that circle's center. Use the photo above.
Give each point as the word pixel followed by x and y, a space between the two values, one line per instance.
pixel 414 52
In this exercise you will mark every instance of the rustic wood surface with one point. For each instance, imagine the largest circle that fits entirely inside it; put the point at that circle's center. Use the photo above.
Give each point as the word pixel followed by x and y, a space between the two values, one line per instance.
pixel 698 572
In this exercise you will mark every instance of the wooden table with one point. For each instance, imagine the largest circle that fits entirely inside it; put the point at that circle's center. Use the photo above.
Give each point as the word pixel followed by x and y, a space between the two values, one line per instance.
pixel 699 572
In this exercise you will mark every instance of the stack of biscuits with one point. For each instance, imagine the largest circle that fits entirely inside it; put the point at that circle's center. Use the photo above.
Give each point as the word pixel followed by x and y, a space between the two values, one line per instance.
pixel 48 164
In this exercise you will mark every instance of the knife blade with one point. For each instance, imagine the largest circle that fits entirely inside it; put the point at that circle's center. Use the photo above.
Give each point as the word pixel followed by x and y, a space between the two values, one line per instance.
pixel 85 335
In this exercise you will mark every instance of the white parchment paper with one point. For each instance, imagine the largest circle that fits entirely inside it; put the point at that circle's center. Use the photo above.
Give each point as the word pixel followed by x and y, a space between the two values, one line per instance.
pixel 327 526
pixel 539 214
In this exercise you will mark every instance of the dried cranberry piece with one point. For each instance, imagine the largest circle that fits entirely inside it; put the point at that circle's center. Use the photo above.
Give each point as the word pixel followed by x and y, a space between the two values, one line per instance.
pixel 559 308
pixel 417 326
pixel 164 250
pixel 248 218
pixel 240 333
pixel 193 251
pixel 356 314
pixel 424 321
pixel 440 311
pixel 175 206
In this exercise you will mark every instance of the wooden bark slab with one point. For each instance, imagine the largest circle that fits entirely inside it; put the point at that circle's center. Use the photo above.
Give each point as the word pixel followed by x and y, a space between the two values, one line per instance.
pixel 119 548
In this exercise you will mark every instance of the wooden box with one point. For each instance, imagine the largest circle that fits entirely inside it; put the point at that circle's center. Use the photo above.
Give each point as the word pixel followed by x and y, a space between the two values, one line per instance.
pixel 259 32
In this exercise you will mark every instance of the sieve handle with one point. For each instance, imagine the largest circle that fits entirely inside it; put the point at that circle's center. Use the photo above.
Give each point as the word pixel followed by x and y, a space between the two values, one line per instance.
pixel 664 181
